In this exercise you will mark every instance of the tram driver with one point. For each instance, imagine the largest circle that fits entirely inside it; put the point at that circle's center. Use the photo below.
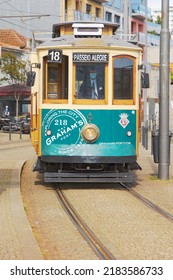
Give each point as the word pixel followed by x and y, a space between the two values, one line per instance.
pixel 92 86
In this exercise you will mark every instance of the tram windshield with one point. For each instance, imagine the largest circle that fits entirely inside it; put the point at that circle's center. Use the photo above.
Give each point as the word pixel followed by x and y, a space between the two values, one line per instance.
pixel 90 81
pixel 123 78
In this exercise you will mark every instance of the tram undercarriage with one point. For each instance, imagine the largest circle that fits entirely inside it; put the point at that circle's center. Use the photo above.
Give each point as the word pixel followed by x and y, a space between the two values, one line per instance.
pixel 92 170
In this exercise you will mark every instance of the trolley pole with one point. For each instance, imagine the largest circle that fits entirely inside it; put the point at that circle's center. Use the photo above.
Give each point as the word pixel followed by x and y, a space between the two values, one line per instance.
pixel 164 145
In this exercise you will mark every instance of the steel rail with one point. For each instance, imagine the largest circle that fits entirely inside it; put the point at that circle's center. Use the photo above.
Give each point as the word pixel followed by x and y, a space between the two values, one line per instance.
pixel 85 231
pixel 148 202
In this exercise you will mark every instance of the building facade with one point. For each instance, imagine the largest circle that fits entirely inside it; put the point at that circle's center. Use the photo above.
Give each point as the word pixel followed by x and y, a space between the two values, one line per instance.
pixel 157 14
pixel 31 18
pixel 87 10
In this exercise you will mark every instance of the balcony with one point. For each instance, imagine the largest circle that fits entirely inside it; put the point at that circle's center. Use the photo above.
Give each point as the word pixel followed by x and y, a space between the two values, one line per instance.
pixel 139 11
pixel 135 38
pixel 80 16
pixel 152 26
pixel 139 38
pixel 153 40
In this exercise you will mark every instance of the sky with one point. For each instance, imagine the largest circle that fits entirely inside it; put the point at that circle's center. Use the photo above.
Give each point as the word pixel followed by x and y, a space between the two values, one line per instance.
pixel 156 4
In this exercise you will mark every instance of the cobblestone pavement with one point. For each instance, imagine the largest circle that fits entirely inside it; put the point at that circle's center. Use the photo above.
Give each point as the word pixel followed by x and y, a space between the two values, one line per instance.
pixel 17 240
pixel 57 236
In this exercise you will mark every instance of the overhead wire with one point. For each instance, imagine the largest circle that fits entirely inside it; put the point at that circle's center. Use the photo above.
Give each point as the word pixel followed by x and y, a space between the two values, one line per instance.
pixel 16 22
pixel 17 25
pixel 111 5
pixel 5 2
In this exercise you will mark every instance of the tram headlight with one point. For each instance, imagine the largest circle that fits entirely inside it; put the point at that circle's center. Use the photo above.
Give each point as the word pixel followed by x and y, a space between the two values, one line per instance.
pixel 90 133
pixel 48 132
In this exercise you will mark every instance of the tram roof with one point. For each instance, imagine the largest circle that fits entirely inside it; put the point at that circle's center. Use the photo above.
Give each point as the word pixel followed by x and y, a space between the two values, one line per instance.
pixel 56 27
pixel 104 41
pixel 64 36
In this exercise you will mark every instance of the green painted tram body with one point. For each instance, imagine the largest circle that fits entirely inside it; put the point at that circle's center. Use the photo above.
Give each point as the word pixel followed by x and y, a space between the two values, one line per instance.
pixel 61 133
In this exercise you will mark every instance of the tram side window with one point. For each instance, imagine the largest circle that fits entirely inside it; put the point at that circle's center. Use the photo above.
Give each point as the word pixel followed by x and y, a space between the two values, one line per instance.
pixel 123 75
pixel 90 81
pixel 56 80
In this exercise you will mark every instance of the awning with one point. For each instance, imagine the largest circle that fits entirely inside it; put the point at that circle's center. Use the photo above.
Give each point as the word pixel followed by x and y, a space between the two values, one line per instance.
pixel 15 88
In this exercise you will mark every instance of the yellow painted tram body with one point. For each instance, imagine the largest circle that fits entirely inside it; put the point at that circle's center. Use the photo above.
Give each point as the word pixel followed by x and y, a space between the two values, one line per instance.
pixel 86 86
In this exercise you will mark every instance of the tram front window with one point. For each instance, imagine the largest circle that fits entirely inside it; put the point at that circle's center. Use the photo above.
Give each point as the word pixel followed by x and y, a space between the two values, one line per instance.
pixel 90 81
pixel 123 78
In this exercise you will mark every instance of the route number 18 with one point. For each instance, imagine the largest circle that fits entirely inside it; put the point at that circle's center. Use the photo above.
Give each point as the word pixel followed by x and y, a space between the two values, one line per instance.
pixel 55 56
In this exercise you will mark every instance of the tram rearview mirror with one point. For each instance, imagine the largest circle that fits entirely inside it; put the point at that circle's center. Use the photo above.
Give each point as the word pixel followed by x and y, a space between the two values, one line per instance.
pixel 30 78
pixel 145 82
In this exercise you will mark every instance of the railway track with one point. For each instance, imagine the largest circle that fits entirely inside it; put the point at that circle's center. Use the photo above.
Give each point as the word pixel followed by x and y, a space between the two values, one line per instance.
pixel 148 202
pixel 85 231
pixel 129 236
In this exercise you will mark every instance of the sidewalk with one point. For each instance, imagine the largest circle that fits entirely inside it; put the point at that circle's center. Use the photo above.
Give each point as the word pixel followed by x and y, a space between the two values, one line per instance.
pixel 15 138
pixel 17 241
pixel 146 160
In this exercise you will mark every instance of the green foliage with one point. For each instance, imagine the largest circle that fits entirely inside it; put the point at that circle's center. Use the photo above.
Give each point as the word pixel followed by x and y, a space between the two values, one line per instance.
pixel 14 70
pixel 159 20
pixel 171 77
pixel 153 32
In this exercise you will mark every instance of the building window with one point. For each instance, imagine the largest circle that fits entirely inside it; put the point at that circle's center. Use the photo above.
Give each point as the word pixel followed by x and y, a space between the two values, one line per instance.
pixel 88 8
pixel 117 19
pixel 108 16
pixel 97 12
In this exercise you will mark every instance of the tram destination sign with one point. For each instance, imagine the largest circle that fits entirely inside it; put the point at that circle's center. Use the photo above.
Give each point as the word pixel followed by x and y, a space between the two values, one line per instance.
pixel 91 57
pixel 55 56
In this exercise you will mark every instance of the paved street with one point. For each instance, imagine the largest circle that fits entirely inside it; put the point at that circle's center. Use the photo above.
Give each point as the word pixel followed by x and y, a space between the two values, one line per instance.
pixel 17 240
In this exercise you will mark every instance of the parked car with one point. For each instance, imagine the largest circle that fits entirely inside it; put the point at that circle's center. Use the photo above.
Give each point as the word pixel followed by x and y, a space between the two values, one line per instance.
pixel 15 124
pixel 4 121
pixel 25 126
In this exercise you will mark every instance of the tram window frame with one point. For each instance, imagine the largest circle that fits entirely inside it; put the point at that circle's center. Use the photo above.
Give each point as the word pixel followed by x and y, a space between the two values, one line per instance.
pixel 90 101
pixel 132 99
pixel 59 82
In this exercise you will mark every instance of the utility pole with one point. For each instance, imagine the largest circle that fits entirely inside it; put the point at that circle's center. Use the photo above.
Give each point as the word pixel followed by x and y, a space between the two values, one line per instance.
pixel 145 65
pixel 164 142
pixel 126 17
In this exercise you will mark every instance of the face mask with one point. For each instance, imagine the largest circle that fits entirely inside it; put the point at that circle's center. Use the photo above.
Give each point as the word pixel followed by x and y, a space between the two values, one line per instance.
pixel 93 75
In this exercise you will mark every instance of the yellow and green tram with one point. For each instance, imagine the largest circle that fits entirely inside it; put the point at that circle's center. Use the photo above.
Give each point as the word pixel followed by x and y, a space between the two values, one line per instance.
pixel 85 104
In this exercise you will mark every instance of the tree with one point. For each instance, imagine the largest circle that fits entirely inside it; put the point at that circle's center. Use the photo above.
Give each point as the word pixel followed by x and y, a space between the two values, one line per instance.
pixel 171 77
pixel 14 72
pixel 153 32
pixel 158 20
